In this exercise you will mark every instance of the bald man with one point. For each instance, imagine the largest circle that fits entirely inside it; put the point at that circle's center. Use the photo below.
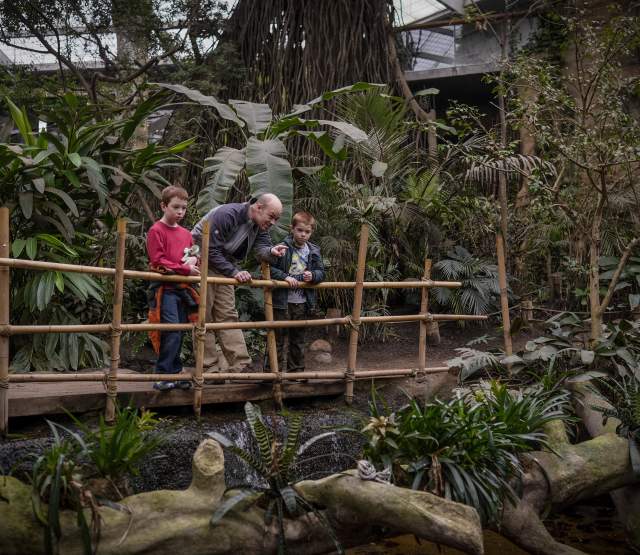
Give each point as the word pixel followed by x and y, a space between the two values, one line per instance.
pixel 235 230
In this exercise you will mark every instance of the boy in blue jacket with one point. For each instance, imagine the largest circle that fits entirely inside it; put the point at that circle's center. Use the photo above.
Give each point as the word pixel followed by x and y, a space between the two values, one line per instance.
pixel 301 263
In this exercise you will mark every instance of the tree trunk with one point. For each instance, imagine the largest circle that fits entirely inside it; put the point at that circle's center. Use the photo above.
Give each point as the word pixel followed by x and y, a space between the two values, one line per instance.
pixel 594 274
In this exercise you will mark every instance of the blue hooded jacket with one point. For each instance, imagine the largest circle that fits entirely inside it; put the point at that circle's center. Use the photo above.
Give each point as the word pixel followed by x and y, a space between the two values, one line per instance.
pixel 280 270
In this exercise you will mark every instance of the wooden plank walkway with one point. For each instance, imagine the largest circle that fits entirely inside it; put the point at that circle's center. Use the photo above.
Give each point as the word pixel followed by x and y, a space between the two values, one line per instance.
pixel 38 398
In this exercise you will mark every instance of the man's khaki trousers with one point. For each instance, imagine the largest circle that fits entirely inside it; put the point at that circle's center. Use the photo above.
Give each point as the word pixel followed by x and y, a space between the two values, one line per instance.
pixel 221 307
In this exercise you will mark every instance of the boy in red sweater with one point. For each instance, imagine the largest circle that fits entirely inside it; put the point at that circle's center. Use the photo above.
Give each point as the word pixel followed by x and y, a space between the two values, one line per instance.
pixel 167 243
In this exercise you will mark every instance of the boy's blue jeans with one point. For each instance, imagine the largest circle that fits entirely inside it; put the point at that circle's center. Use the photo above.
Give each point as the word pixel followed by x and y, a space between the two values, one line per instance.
pixel 172 311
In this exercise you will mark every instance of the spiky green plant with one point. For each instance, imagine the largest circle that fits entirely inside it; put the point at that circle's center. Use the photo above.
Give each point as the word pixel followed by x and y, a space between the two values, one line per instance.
pixel 56 482
pixel 622 395
pixel 274 462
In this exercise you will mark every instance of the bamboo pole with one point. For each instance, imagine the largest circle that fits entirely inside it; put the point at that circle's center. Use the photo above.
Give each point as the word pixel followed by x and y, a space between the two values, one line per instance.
pixel 424 309
pixel 201 330
pixel 504 299
pixel 97 328
pixel 34 377
pixel 355 315
pixel 116 330
pixel 5 292
pixel 272 349
pixel 154 276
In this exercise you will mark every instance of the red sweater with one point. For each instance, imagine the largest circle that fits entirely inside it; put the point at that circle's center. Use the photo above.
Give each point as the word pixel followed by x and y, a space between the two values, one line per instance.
pixel 165 247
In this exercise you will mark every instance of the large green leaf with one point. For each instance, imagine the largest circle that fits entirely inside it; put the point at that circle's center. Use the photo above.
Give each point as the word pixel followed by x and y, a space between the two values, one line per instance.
pixel 354 133
pixel 225 111
pixel 224 167
pixel 21 120
pixel 66 198
pixel 270 172
pixel 257 116
pixel 356 87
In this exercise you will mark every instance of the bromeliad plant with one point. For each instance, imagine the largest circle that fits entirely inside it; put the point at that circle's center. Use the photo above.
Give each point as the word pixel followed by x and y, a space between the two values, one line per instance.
pixel 274 462
pixel 465 449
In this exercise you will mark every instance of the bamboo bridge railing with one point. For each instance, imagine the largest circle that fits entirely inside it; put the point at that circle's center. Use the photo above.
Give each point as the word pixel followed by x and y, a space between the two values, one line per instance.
pixel 111 377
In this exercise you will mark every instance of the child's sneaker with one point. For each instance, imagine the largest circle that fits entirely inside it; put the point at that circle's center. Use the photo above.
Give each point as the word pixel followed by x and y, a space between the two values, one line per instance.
pixel 183 384
pixel 164 386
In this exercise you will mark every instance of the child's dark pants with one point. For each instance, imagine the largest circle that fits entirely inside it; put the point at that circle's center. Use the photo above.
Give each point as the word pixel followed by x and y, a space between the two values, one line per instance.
pixel 294 355
pixel 172 311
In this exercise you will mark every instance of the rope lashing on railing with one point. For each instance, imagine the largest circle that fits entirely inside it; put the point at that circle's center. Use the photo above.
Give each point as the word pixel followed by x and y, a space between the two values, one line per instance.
pixel 353 324
pixel 4 383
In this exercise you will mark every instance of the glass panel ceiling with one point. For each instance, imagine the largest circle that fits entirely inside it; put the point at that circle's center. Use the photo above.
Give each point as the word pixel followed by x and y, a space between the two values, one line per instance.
pixel 409 11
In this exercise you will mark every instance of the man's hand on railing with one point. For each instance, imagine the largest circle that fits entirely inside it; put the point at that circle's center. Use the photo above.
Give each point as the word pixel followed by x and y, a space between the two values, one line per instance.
pixel 194 271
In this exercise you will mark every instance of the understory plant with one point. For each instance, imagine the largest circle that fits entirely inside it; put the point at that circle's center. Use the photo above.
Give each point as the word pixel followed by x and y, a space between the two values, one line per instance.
pixel 64 475
pixel 65 185
pixel 465 449
pixel 622 402
pixel 274 461
pixel 480 291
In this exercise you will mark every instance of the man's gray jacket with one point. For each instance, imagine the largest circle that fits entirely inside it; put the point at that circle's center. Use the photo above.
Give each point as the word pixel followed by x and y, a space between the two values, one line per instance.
pixel 232 236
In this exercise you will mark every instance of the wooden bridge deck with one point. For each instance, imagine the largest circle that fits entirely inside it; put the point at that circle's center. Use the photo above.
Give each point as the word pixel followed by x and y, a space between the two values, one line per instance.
pixel 38 398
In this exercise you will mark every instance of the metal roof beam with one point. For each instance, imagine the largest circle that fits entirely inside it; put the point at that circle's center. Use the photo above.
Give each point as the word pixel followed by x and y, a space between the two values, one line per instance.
pixel 454 5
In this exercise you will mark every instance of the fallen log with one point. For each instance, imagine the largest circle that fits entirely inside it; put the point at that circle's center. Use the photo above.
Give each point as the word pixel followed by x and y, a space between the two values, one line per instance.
pixel 168 522
pixel 556 480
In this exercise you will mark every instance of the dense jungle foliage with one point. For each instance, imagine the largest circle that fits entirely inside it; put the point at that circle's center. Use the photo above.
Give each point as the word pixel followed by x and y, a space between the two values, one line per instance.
pixel 355 154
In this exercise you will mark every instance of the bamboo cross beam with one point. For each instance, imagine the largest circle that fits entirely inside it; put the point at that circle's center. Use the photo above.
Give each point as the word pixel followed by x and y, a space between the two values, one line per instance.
pixel 355 315
pixel 271 339
pixel 154 276
pixel 201 330
pixel 116 330
pixel 6 330
pixel 35 377
pixel 5 293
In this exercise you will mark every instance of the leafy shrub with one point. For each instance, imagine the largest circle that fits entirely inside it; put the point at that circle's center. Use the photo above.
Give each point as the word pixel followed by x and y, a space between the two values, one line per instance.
pixel 465 449
pixel 63 475
pixel 480 290
pixel 274 462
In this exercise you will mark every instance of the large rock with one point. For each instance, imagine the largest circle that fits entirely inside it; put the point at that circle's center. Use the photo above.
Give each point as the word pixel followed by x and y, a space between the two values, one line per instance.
pixel 320 345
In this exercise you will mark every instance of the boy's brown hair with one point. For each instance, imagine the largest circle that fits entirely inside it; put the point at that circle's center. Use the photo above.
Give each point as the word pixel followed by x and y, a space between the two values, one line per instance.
pixel 174 191
pixel 305 218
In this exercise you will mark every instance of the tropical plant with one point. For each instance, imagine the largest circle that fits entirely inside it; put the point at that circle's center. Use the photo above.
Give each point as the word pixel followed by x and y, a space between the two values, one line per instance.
pixel 579 114
pixel 480 290
pixel 63 476
pixel 274 462
pixel 65 187
pixel 622 398
pixel 56 483
pixel 465 449
pixel 263 155
pixel 115 451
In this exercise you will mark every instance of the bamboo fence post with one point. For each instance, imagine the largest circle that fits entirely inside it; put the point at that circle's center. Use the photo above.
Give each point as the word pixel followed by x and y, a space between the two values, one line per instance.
pixel 355 315
pixel 4 321
pixel 424 309
pixel 116 330
pixel 271 338
pixel 198 380
pixel 504 299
